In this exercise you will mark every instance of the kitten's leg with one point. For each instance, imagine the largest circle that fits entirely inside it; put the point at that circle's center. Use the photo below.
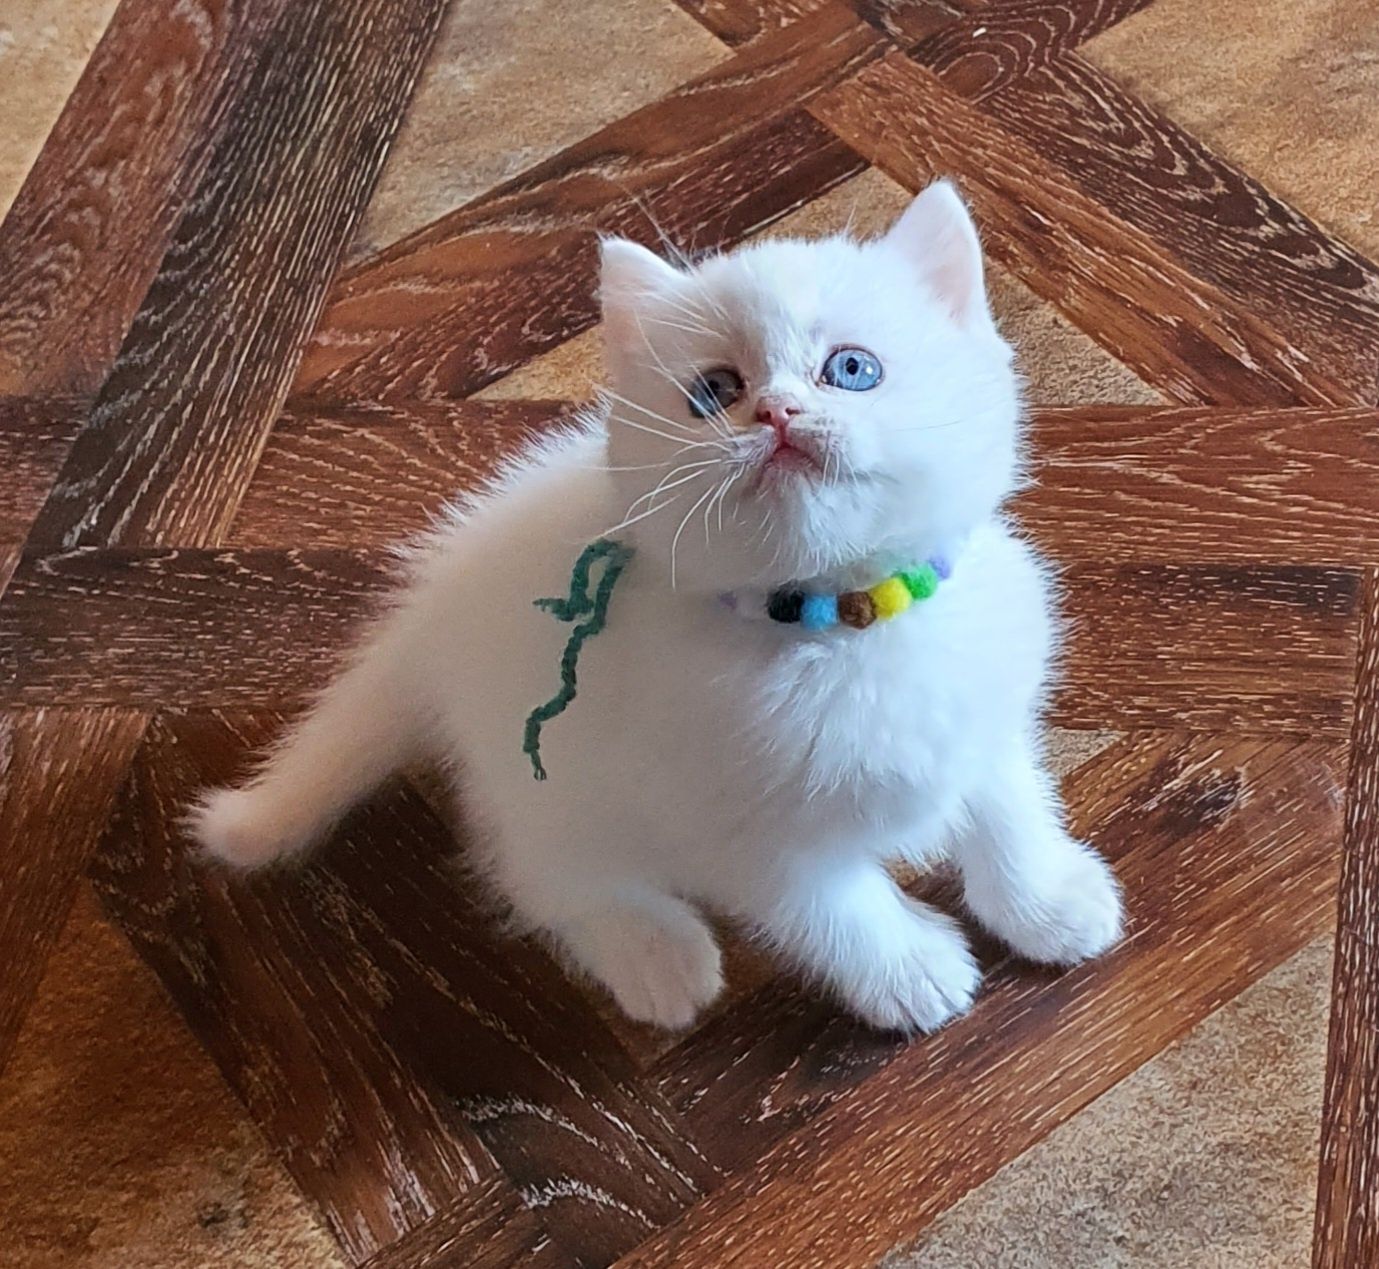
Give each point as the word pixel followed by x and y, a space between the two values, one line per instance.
pixel 1050 897
pixel 361 728
pixel 653 952
pixel 896 963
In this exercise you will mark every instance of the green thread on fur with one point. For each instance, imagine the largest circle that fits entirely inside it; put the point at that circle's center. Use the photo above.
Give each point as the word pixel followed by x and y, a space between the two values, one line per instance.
pixel 576 605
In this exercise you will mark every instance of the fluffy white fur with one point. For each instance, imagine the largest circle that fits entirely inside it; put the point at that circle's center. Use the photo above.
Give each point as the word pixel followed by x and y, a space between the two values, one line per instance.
pixel 752 768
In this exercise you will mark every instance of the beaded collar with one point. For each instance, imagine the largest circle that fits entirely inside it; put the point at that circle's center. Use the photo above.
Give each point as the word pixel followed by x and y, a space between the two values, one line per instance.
pixel 821 610
pixel 585 608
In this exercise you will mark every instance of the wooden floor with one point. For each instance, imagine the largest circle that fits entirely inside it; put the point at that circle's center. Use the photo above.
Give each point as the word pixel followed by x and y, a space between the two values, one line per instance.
pixel 216 412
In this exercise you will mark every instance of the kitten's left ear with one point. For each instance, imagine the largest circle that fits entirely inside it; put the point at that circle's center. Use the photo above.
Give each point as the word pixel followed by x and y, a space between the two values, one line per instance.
pixel 630 278
pixel 936 234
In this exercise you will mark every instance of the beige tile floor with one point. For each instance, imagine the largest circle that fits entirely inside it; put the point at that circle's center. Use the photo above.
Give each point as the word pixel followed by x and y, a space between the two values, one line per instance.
pixel 1202 1158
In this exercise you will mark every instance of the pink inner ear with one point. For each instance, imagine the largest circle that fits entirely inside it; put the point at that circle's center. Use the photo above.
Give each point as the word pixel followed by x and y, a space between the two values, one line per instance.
pixel 937 235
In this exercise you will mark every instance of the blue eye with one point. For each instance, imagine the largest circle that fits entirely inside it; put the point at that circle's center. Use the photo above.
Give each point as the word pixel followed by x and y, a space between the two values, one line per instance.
pixel 713 391
pixel 853 369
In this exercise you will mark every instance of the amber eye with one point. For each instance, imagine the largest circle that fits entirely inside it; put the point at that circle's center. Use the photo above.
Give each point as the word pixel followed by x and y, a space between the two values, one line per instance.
pixel 852 369
pixel 714 390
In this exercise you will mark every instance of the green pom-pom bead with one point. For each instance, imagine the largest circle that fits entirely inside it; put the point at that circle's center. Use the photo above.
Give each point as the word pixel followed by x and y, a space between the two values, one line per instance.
pixel 921 582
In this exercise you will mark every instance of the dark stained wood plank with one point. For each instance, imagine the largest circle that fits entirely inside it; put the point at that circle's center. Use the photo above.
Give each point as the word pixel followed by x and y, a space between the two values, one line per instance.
pixel 1178 332
pixel 489 1228
pixel 1116 484
pixel 1294 486
pixel 1204 646
pixel 86 233
pixel 1211 647
pixel 35 435
pixel 739 22
pixel 487 287
pixel 60 771
pixel 999 44
pixel 1222 224
pixel 1228 855
pixel 353 475
pixel 205 368
pixel 1347 1229
pixel 95 626
pixel 392 1043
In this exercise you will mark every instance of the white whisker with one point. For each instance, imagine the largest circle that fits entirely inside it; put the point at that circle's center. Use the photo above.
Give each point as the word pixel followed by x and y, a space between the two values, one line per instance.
pixel 675 541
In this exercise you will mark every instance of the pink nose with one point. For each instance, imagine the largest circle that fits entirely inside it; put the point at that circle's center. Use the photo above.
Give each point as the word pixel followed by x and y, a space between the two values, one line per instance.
pixel 776 412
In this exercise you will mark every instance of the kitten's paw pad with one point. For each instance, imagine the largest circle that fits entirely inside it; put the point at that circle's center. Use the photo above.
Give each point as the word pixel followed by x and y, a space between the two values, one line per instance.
pixel 1072 917
pixel 931 980
pixel 239 827
pixel 662 968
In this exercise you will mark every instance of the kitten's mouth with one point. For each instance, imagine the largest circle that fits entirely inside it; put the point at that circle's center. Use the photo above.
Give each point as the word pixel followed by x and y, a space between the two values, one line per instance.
pixel 788 460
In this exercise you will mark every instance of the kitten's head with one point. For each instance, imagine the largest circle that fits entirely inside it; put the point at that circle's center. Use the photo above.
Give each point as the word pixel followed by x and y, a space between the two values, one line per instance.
pixel 794 407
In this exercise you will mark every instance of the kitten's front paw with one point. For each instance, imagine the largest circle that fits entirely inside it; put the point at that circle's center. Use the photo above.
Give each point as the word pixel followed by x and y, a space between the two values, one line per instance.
pixel 662 966
pixel 1068 917
pixel 930 979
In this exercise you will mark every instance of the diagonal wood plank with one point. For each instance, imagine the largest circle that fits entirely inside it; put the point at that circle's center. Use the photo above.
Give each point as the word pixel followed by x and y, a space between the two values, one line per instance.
pixel 489 1228
pixel 203 372
pixel 1207 646
pixel 35 435
pixel 1229 858
pixel 92 221
pixel 739 22
pixel 393 1046
pixel 996 45
pixel 59 771
pixel 1176 331
pixel 453 307
pixel 1347 1227
pixel 1223 225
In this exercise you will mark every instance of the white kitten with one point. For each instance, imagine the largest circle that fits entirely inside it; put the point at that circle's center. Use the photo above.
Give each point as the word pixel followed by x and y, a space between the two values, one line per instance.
pixel 860 416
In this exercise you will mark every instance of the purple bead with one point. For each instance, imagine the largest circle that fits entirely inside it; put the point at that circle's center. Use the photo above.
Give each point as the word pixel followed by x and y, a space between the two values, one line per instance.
pixel 941 566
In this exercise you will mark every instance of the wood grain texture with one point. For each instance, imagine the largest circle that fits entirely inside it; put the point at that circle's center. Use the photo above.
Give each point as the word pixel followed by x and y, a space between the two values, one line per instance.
pixel 1180 334
pixel 1347 1229
pixel 1009 36
pixel 450 309
pixel 59 773
pixel 87 231
pixel 203 372
pixel 488 1228
pixel 1129 485
pixel 369 473
pixel 1235 853
pixel 1000 44
pixel 35 435
pixel 1116 484
pixel 739 22
pixel 393 1046
pixel 1207 646
pixel 1221 224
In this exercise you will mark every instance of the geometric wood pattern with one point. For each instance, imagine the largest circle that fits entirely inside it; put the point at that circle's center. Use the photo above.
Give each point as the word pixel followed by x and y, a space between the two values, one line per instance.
pixel 211 432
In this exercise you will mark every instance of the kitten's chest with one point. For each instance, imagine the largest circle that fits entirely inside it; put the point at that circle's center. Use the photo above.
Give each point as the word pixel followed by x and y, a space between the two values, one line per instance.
pixel 855 716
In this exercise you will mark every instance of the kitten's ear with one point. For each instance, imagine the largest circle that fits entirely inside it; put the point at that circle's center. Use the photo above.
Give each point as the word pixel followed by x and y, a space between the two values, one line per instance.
pixel 936 234
pixel 629 277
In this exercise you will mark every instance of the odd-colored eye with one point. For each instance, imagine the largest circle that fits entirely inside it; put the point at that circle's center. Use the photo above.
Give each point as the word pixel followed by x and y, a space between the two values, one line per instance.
pixel 853 369
pixel 714 390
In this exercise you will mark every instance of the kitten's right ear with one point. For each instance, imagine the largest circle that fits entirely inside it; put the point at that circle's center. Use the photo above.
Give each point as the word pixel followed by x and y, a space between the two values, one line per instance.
pixel 630 276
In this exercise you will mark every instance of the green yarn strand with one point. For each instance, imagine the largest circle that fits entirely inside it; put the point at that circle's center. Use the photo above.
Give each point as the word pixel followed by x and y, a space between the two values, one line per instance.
pixel 574 606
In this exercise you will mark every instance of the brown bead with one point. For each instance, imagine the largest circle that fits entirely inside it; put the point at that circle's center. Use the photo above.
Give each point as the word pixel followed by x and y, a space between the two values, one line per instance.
pixel 855 609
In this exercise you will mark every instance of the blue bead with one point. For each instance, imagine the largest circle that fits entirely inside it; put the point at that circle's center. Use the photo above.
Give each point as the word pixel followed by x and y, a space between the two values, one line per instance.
pixel 819 612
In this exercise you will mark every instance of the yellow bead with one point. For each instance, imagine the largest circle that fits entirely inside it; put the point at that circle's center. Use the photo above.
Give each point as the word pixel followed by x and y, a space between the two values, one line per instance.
pixel 890 598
